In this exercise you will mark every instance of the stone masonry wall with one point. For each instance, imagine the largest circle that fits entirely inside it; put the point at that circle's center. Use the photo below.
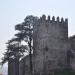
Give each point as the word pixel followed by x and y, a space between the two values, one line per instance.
pixel 72 57
pixel 50 43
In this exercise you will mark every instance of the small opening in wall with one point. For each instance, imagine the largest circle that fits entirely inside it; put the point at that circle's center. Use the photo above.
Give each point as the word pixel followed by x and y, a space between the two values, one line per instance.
pixel 46 48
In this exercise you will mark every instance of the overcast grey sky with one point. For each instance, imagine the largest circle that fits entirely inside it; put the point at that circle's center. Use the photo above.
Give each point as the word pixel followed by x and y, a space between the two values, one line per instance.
pixel 13 12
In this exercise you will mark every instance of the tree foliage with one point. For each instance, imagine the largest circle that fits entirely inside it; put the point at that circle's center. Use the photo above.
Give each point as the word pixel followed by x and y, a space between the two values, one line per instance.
pixel 15 50
pixel 26 32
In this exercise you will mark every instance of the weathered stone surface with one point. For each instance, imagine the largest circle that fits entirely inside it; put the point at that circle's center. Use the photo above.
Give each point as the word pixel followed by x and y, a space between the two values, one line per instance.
pixel 24 66
pixel 51 45
pixel 72 57
pixel 11 67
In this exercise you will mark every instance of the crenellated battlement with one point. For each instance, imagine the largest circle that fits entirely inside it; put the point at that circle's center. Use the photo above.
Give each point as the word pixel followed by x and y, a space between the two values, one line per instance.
pixel 53 19
pixel 53 25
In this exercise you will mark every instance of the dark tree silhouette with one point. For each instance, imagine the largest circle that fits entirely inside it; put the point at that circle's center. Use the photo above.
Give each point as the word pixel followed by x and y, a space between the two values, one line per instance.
pixel 26 32
pixel 14 52
pixel 9 56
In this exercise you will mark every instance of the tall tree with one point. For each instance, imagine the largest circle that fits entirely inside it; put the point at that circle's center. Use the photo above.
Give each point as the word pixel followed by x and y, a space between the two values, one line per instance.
pixel 13 54
pixel 14 49
pixel 26 31
pixel 9 56
pixel 19 52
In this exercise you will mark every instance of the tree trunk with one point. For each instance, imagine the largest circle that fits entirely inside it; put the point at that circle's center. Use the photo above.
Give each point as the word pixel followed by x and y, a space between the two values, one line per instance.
pixel 30 55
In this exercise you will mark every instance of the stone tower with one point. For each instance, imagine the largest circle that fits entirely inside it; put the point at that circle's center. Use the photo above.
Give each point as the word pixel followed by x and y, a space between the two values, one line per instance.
pixel 50 42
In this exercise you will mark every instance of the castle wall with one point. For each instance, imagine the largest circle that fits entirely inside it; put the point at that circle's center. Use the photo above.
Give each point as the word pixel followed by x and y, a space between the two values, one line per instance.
pixel 50 43
pixel 11 67
pixel 72 57
pixel 24 66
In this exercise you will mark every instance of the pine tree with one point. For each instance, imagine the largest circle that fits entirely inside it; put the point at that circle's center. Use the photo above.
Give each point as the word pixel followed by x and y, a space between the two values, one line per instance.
pixel 13 54
pixel 15 50
pixel 26 31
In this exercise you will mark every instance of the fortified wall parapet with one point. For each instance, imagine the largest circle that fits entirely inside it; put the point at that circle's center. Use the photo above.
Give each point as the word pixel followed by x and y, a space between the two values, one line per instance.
pixel 54 19
pixel 58 25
